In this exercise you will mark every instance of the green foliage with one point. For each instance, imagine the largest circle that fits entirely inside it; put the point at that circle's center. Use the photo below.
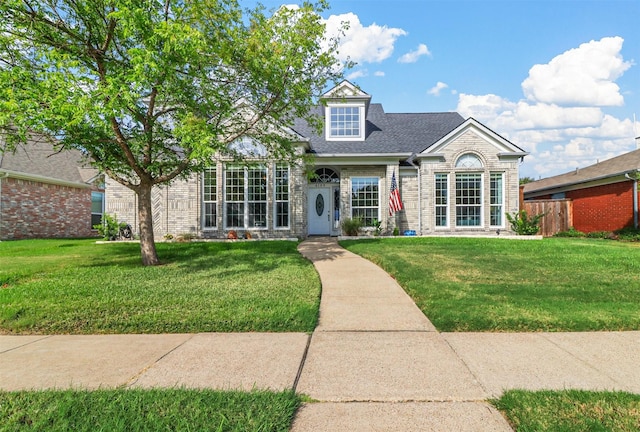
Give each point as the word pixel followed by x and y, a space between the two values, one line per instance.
pixel 153 91
pixel 396 231
pixel 80 287
pixel 554 284
pixel 352 226
pixel 600 235
pixel 523 224
pixel 109 228
pixel 148 410
pixel 570 410
pixel 377 227
pixel 628 234
pixel 525 180
pixel 572 233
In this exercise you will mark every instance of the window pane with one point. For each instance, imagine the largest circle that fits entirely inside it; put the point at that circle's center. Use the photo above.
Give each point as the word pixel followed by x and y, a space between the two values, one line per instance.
pixel 468 199
pixel 497 198
pixel 257 215
pixel 97 199
pixel 442 199
pixel 345 121
pixel 96 219
pixel 281 190
pixel 235 215
pixel 234 196
pixel 209 198
pixel 469 161
pixel 365 199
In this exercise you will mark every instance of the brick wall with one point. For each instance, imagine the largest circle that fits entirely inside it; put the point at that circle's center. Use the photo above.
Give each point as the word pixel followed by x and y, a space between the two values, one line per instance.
pixel 38 210
pixel 603 208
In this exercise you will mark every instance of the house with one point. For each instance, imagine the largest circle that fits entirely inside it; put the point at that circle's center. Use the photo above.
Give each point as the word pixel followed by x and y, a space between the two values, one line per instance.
pixel 455 176
pixel 47 194
pixel 604 196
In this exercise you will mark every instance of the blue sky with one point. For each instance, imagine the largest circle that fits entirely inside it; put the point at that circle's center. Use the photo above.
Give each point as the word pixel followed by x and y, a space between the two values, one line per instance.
pixel 559 78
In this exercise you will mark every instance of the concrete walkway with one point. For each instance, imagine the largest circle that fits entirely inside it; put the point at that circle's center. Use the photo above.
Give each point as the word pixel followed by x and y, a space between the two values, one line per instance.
pixel 375 362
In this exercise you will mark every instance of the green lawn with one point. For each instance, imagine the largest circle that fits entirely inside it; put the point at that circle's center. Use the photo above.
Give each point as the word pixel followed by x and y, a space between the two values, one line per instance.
pixel 80 287
pixel 570 411
pixel 147 410
pixel 467 284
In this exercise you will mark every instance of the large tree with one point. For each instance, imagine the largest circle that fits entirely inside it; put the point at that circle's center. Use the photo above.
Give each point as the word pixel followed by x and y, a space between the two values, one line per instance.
pixel 151 90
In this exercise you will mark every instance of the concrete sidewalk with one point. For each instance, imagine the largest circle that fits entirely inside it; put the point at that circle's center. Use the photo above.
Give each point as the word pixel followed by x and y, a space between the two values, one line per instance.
pixel 375 362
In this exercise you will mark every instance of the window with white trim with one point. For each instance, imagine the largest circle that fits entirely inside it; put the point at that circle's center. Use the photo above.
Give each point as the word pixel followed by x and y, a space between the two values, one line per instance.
pixel 234 196
pixel 209 198
pixel 442 200
pixel 469 160
pixel 281 195
pixel 468 199
pixel 496 194
pixel 365 199
pixel 97 208
pixel 344 122
pixel 257 197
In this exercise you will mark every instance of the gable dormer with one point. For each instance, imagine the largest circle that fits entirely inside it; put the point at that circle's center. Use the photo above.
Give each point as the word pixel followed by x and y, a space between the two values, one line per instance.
pixel 345 112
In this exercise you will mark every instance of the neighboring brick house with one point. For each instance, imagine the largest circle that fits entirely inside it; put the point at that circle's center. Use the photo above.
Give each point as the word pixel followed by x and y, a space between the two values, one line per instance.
pixel 455 176
pixel 604 196
pixel 46 194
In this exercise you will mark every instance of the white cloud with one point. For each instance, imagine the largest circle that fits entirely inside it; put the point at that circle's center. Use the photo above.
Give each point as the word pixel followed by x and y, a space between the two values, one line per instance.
pixel 413 56
pixel 483 108
pixel 357 74
pixel 583 76
pixel 561 121
pixel 435 90
pixel 379 73
pixel 362 44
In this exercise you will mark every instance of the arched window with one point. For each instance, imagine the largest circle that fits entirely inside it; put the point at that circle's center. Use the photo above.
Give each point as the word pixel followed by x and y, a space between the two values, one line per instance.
pixel 469 160
pixel 325 175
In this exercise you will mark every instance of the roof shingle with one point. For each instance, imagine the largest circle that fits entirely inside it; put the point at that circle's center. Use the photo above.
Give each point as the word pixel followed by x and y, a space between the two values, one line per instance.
pixel 609 168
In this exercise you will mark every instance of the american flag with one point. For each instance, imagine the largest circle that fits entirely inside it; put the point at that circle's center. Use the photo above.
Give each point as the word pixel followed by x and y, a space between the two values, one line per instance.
pixel 395 203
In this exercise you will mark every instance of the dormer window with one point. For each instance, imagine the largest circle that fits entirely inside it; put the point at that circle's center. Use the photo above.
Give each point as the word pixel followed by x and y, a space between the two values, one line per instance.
pixel 344 122
pixel 345 113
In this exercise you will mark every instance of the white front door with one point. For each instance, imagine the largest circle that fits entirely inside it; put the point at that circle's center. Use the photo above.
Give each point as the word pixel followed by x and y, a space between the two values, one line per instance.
pixel 319 211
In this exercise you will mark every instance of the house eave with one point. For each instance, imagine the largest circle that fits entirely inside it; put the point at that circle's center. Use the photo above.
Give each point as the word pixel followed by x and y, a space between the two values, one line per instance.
pixel 591 182
pixel 42 179
pixel 513 154
pixel 361 158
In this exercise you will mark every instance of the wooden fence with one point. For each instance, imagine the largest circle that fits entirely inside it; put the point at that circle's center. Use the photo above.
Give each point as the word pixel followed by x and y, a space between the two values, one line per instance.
pixel 558 214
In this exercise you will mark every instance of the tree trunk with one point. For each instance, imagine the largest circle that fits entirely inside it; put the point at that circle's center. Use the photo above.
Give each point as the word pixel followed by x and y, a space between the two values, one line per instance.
pixel 145 216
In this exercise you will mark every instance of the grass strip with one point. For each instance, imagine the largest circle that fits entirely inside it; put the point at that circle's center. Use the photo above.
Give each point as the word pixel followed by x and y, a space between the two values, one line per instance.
pixel 570 411
pixel 79 287
pixel 483 284
pixel 147 410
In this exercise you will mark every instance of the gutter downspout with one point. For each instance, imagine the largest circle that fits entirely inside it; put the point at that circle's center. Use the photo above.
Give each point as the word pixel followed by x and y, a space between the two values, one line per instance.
pixel 635 197
pixel 417 167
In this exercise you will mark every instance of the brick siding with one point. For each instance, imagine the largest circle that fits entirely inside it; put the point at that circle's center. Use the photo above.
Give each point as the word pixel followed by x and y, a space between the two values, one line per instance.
pixel 603 208
pixel 31 209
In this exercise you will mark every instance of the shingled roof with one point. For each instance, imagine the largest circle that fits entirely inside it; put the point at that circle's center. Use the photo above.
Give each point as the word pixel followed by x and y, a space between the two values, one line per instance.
pixel 610 168
pixel 385 133
pixel 39 159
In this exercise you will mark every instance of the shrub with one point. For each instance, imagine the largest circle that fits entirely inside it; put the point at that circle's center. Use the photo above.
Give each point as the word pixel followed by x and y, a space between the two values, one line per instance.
pixel 377 227
pixel 572 232
pixel 524 224
pixel 351 227
pixel 600 234
pixel 628 234
pixel 109 228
